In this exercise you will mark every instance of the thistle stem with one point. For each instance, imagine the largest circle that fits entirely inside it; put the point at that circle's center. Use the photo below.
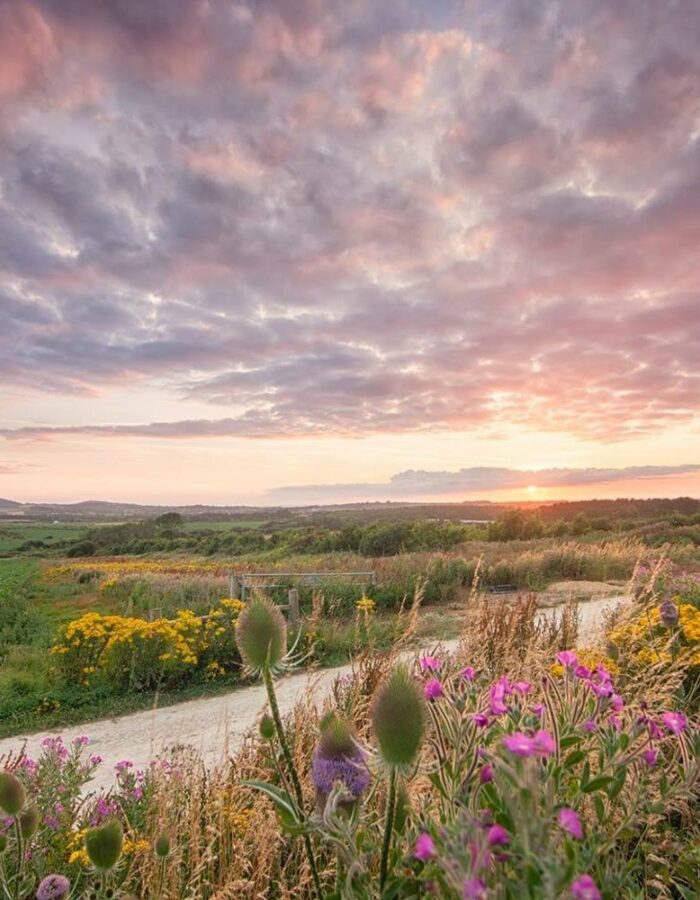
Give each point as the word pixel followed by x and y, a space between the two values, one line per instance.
pixel 388 828
pixel 296 784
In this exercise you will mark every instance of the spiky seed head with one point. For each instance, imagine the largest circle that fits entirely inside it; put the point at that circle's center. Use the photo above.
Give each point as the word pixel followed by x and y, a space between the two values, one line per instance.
pixel 104 845
pixel 162 846
pixel 337 737
pixel 267 728
pixel 12 793
pixel 29 821
pixel 261 634
pixel 398 718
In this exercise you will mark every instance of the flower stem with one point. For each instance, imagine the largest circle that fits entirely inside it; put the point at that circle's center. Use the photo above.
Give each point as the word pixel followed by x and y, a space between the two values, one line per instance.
pixel 296 784
pixel 388 828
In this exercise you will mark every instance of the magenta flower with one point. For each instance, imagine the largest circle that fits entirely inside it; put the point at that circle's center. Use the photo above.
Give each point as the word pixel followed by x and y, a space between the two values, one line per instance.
pixel 486 773
pixel 473 889
pixel 95 759
pixel 617 702
pixel 589 725
pixel 584 888
pixel 569 821
pixel 433 689
pixel 583 672
pixel 676 722
pixel 480 720
pixel 522 687
pixel 567 658
pixel 81 741
pixel 497 694
pixel 430 664
pixel 425 848
pixel 615 722
pixel 497 836
pixel 519 744
pixel 650 757
pixel 538 710
pixel 544 743
pixel 468 673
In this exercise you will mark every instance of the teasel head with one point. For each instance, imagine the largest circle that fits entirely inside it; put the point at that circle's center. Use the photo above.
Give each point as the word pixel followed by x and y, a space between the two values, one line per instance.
pixel 12 794
pixel 162 846
pixel 53 887
pixel 104 844
pixel 29 820
pixel 339 760
pixel 398 718
pixel 267 727
pixel 261 638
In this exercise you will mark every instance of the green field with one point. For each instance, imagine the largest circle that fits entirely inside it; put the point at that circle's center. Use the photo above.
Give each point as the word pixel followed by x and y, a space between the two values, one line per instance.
pixel 13 535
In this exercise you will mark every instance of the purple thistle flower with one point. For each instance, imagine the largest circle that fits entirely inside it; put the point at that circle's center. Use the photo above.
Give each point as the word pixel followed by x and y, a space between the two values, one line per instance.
pixel 433 689
pixel 584 888
pixel 567 658
pixel 53 887
pixel 430 664
pixel 669 613
pixel 650 757
pixel 425 848
pixel 497 836
pixel 569 821
pixel 519 744
pixel 676 722
pixel 350 771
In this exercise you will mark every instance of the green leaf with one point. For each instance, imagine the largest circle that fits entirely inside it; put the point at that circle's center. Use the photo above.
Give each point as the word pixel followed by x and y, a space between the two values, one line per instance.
pixel 596 784
pixel 283 802
pixel 573 758
pixel 599 808
pixel 618 783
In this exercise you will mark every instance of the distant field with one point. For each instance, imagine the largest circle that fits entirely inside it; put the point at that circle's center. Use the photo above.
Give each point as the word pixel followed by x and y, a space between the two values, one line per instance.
pixel 14 534
pixel 201 525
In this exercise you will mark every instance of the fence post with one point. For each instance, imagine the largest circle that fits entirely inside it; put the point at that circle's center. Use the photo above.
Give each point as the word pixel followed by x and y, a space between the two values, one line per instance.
pixel 294 608
pixel 234 587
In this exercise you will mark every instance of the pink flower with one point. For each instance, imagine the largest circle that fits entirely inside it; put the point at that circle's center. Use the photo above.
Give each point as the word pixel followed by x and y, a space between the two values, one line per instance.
pixel 568 820
pixel 473 889
pixel 676 722
pixel 480 720
pixel 538 710
pixel 430 664
pixel 583 672
pixel 468 673
pixel 615 722
pixel 522 687
pixel 617 702
pixel 497 836
pixel 519 744
pixel 486 773
pixel 81 741
pixel 497 694
pixel 433 689
pixel 544 743
pixel 589 725
pixel 650 756
pixel 425 848
pixel 95 759
pixel 584 888
pixel 567 658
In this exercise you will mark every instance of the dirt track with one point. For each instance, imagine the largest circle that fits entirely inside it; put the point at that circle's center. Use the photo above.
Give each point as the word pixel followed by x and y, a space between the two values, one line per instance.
pixel 216 725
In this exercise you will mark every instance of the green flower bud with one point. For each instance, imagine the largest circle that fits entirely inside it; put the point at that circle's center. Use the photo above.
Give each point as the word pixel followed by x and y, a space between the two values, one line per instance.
pixel 267 728
pixel 104 845
pixel 398 718
pixel 261 634
pixel 161 846
pixel 12 793
pixel 29 821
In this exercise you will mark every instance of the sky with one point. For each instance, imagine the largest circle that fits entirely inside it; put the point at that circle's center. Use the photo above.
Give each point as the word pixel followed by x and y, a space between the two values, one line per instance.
pixel 290 251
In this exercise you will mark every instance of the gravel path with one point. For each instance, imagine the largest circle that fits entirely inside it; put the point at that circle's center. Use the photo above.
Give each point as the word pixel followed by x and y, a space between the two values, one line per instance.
pixel 215 726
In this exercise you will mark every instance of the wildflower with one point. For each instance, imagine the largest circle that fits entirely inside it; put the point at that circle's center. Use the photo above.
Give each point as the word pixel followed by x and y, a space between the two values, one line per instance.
pixel 81 741
pixel 468 673
pixel 650 757
pixel 538 710
pixel 583 672
pixel 569 821
pixel 589 725
pixel 123 765
pixel 617 702
pixel 473 889
pixel 338 759
pixel 95 759
pixel 497 836
pixel 519 744
pixel 480 720
pixel 669 613
pixel 544 743
pixel 53 887
pixel 584 888
pixel 261 634
pixel 398 718
pixel 430 664
pixel 425 848
pixel 675 722
pixel 567 658
pixel 522 687
pixel 497 704
pixel 614 722
pixel 486 773
pixel 104 845
pixel 29 821
pixel 433 689
pixel 161 846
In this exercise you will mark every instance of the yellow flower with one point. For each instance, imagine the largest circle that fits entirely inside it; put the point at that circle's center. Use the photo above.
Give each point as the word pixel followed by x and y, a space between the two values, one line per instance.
pixel 365 604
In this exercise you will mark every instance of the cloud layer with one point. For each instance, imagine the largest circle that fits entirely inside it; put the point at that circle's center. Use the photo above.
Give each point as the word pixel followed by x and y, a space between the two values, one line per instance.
pixel 354 218
pixel 417 482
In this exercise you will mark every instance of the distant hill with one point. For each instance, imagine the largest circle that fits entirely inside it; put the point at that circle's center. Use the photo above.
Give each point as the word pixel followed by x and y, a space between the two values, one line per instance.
pixel 9 504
